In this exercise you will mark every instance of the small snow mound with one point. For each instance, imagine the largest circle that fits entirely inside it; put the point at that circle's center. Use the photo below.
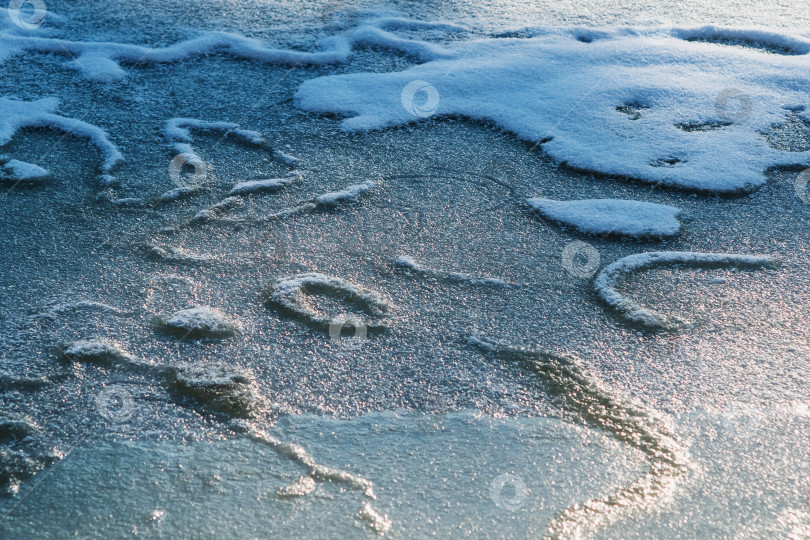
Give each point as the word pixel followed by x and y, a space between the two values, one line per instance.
pixel 290 294
pixel 19 171
pixel 176 255
pixel 217 211
pixel 351 193
pixel 260 186
pixel 406 262
pixel 97 67
pixel 635 219
pixel 301 487
pixel 605 281
pixel 95 351
pixel 222 388
pixel 200 322
pixel 180 193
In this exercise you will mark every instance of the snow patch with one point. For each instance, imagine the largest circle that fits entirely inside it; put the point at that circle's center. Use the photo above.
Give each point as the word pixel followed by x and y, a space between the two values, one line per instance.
pixel 635 219
pixel 577 111
pixel 21 171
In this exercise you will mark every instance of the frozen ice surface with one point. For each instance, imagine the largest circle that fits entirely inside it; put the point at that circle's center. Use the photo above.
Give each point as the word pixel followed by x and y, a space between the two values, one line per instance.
pixel 668 105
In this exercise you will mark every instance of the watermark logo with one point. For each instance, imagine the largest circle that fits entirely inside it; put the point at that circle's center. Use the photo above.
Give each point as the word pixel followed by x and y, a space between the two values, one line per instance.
pixel 580 259
pixel 508 491
pixel 27 14
pixel 420 99
pixel 115 404
pixel 354 342
pixel 176 171
pixel 733 106
pixel 800 185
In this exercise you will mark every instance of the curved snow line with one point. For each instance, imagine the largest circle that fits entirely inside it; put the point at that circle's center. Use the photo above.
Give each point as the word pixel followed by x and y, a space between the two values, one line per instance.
pixel 290 294
pixel 100 61
pixel 327 200
pixel 634 312
pixel 16 115
pixel 403 261
pixel 178 132
pixel 586 398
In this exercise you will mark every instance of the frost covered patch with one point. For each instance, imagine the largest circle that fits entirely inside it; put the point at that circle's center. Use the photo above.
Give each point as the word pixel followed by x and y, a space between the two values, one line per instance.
pixel 97 351
pixel 200 322
pixel 574 98
pixel 16 115
pixel 350 193
pixel 612 216
pixel 606 279
pixel 259 186
pixel 290 294
pixel 222 388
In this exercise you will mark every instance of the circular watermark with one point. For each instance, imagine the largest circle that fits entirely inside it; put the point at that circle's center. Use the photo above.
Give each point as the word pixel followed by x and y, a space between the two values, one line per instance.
pixel 27 14
pixel 733 106
pixel 581 259
pixel 420 99
pixel 800 185
pixel 354 342
pixel 176 171
pixel 508 491
pixel 115 404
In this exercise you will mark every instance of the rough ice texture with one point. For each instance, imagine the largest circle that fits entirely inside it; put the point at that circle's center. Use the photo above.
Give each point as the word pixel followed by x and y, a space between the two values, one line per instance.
pixel 403 261
pixel 290 294
pixel 666 111
pixel 222 388
pixel 259 186
pixel 633 312
pixel 16 115
pixel 636 219
pixel 21 171
pixel 97 351
pixel 200 322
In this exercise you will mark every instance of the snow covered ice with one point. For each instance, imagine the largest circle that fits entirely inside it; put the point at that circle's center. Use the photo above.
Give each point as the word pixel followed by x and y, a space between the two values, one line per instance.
pixel 404 270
